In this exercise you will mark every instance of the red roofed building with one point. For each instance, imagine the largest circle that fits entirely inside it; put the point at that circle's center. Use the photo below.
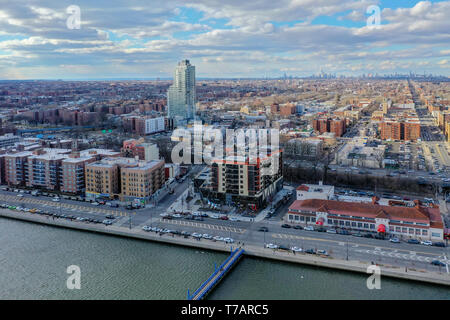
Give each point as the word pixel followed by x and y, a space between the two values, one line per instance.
pixel 424 223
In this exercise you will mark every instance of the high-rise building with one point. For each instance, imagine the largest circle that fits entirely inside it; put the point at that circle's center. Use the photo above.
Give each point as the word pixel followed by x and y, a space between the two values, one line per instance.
pixel 181 95
pixel 238 180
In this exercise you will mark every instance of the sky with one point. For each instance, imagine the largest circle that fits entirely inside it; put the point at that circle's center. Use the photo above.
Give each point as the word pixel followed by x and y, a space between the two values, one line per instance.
pixel 222 38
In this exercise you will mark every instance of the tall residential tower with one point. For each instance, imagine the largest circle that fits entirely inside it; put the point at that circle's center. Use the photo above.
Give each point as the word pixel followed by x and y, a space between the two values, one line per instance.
pixel 181 95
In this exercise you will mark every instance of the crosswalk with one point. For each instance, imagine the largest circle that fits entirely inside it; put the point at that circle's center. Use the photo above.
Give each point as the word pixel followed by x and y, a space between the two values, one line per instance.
pixel 69 206
pixel 203 225
pixel 295 237
pixel 406 256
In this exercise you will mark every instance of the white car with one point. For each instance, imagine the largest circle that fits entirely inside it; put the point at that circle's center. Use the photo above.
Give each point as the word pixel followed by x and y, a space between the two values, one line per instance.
pixel 228 240
pixel 177 215
pixel 331 231
pixel 214 216
pixel 196 235
pixel 20 195
pixel 426 243
pixel 271 246
pixel 234 219
pixel 206 236
pixel 55 199
pixel 217 238
pixel 308 228
pixel 296 249
pixel 146 228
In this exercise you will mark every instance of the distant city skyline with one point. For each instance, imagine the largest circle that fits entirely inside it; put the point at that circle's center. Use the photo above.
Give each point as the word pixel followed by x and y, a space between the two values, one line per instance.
pixel 264 39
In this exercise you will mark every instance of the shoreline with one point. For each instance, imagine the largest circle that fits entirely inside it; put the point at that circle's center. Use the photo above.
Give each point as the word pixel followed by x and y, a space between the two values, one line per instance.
pixel 250 250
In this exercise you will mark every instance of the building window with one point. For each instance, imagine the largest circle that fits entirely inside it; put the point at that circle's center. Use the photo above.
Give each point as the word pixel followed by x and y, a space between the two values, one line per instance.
pixel 424 232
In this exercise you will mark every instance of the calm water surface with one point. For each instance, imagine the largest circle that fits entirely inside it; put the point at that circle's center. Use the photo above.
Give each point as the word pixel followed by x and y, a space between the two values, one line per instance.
pixel 34 258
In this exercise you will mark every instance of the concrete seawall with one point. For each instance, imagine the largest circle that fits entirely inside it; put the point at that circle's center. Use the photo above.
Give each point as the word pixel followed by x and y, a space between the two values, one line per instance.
pixel 353 266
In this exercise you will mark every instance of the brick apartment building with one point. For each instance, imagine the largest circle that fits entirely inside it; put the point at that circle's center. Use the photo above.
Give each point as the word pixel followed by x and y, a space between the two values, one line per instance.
pixel 125 179
pixel 241 181
pixel 400 130
pixel 50 168
pixel 336 126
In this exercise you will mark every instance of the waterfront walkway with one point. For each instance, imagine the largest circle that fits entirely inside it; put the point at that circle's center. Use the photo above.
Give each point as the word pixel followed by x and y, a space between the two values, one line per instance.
pixel 217 275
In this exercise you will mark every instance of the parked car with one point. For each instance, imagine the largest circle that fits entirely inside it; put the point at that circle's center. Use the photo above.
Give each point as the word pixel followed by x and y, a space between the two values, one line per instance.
pixel 439 244
pixel 394 240
pixel 438 263
pixel 110 216
pixel 322 252
pixel 331 231
pixel 343 232
pixel 308 228
pixel 426 243
pixel 310 251
pixel 271 246
pixel 298 227
pixel 414 241
pixel 296 249
pixel 287 226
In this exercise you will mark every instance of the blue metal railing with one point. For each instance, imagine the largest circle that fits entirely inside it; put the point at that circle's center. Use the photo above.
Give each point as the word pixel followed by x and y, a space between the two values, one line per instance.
pixel 222 270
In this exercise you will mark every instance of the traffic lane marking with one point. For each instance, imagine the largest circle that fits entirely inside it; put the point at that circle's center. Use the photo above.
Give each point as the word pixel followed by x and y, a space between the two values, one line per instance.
pixel 356 245
pixel 204 226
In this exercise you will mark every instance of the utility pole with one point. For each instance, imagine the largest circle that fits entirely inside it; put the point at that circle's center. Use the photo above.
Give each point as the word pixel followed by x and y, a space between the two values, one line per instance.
pixel 346 258
pixel 129 216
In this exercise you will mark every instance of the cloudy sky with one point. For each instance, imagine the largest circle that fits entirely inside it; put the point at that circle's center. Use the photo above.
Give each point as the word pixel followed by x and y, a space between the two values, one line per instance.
pixel 222 38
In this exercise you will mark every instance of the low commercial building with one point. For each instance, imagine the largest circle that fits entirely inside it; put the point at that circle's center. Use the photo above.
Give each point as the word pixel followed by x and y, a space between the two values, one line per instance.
pixel 419 222
pixel 304 148
pixel 8 139
pixel 360 155
pixel 315 191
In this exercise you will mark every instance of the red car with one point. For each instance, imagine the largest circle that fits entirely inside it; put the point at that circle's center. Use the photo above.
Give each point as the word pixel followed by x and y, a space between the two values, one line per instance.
pixel 224 218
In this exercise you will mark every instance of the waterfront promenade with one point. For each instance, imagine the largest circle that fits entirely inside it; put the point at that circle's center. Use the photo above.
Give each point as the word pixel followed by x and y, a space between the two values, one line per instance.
pixel 250 250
